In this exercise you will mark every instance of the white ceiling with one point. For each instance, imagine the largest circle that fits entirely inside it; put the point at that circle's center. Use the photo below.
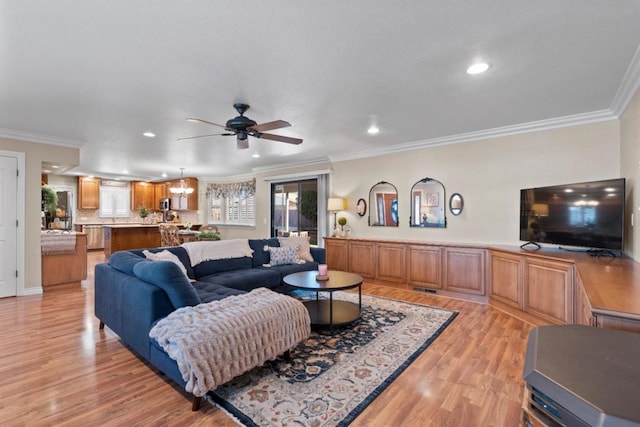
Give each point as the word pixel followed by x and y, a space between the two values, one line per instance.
pixel 100 73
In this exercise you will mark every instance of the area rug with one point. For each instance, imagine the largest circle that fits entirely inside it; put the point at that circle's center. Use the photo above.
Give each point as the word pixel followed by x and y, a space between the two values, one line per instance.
pixel 333 376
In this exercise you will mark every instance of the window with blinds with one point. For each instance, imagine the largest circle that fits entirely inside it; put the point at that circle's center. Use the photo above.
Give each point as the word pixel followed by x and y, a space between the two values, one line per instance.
pixel 114 202
pixel 233 210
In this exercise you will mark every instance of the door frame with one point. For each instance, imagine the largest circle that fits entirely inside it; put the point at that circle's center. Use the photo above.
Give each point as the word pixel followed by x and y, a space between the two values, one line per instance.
pixel 20 215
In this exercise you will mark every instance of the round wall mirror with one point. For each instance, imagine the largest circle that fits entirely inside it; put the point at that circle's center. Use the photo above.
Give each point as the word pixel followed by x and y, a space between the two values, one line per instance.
pixel 361 207
pixel 456 203
pixel 383 205
pixel 428 204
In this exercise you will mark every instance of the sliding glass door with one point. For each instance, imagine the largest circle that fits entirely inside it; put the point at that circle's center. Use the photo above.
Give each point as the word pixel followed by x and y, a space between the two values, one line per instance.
pixel 294 209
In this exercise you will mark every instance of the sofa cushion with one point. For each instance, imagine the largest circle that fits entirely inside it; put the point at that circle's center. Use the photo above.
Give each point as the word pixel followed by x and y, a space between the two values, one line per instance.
pixel 211 292
pixel 165 256
pixel 245 280
pixel 285 269
pixel 260 255
pixel 285 255
pixel 124 261
pixel 167 276
pixel 302 243
pixel 207 268
pixel 178 251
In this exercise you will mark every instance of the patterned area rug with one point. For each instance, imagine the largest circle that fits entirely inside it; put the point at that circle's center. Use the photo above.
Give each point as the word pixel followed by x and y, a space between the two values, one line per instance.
pixel 332 377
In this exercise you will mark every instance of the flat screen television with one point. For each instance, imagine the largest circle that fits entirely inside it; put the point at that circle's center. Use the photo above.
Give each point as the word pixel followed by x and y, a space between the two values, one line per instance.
pixel 586 215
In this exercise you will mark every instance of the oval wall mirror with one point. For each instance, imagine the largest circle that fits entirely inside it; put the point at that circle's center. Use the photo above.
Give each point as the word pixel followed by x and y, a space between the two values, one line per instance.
pixel 428 204
pixel 456 203
pixel 361 207
pixel 383 205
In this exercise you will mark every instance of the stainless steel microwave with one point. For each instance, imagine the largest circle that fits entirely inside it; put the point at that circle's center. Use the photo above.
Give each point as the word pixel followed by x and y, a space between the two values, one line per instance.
pixel 165 204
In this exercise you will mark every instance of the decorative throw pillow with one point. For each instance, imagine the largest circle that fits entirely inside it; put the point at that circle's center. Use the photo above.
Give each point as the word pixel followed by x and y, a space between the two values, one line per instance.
pixel 165 256
pixel 286 255
pixel 302 242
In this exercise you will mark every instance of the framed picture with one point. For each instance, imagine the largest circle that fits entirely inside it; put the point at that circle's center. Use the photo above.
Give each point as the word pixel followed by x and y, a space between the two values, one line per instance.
pixel 433 199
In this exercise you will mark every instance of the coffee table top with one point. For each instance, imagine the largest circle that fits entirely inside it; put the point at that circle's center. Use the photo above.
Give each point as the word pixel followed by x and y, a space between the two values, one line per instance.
pixel 338 280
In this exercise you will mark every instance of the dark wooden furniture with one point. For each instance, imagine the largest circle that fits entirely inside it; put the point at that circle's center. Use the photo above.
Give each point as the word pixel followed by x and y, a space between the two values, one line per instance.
pixel 120 237
pixel 328 312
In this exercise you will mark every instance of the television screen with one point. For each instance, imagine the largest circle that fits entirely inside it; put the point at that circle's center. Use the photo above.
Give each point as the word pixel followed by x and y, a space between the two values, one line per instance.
pixel 588 214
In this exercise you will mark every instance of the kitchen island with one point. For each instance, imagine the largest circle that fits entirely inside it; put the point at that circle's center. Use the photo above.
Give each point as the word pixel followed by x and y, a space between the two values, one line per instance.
pixel 120 237
pixel 64 259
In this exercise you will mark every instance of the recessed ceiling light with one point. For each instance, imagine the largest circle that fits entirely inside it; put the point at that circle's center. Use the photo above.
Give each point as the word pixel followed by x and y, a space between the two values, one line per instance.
pixel 568 190
pixel 125 171
pixel 164 174
pixel 477 68
pixel 55 166
pixel 149 134
pixel 373 130
pixel 46 171
pixel 256 155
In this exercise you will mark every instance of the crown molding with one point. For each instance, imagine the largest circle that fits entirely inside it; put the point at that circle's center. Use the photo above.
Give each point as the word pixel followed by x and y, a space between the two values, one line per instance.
pixel 628 87
pixel 40 138
pixel 279 167
pixel 536 126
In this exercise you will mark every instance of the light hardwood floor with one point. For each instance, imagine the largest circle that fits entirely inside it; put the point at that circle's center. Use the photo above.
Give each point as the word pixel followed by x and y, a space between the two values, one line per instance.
pixel 58 368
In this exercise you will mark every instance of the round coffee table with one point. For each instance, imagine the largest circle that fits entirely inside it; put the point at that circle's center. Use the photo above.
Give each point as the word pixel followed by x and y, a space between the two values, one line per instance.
pixel 328 312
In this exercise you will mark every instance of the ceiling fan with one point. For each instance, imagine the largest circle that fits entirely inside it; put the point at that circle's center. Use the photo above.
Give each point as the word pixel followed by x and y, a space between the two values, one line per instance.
pixel 243 127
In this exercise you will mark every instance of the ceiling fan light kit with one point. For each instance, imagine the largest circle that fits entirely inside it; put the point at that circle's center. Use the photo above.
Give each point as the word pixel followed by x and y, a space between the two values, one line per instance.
pixel 243 127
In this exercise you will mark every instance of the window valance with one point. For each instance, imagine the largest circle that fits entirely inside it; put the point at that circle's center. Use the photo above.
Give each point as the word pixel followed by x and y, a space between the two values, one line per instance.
pixel 240 189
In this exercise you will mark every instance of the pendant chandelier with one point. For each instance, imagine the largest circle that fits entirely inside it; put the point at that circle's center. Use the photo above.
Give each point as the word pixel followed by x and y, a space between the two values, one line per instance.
pixel 182 187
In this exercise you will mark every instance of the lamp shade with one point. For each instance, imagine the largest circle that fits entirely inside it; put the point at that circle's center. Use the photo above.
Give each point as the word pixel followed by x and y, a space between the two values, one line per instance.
pixel 336 204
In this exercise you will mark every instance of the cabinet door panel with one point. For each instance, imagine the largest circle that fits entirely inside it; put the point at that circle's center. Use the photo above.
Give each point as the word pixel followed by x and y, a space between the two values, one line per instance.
pixel 391 262
pixel 425 266
pixel 362 259
pixel 337 254
pixel 465 270
pixel 549 291
pixel 88 193
pixel 506 279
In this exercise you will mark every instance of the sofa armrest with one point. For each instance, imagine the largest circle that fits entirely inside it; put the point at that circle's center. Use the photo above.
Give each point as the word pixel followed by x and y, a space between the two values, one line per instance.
pixel 129 306
pixel 318 255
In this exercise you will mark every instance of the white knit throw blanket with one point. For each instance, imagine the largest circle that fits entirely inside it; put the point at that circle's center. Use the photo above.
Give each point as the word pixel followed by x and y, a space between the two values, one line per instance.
pixel 215 342
pixel 219 249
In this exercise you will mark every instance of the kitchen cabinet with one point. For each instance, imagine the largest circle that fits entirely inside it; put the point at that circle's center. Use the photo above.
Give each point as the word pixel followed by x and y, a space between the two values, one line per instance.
pixel 161 191
pixel 142 194
pixel 88 193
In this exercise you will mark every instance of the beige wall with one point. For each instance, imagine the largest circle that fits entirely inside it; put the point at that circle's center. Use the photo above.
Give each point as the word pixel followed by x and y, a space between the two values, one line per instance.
pixel 35 154
pixel 489 174
pixel 629 157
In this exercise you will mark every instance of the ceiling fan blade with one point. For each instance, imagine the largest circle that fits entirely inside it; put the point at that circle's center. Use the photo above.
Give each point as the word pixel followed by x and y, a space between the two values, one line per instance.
pixel 276 124
pixel 205 122
pixel 205 136
pixel 280 138
pixel 243 144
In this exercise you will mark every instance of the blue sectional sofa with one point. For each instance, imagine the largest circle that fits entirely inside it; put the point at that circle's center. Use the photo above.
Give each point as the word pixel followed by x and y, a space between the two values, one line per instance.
pixel 133 293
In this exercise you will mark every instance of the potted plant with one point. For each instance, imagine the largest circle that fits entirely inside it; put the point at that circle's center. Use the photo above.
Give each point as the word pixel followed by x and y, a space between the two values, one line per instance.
pixel 49 200
pixel 342 221
pixel 143 212
pixel 208 235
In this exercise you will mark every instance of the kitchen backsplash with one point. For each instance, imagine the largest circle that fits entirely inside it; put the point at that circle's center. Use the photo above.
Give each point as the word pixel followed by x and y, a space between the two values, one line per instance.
pixel 90 216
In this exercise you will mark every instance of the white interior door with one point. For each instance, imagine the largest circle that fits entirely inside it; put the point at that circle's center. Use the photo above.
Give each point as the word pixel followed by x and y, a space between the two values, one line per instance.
pixel 8 226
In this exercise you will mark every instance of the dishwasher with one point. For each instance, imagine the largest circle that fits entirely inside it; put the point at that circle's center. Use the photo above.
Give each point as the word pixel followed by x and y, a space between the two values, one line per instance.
pixel 95 236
